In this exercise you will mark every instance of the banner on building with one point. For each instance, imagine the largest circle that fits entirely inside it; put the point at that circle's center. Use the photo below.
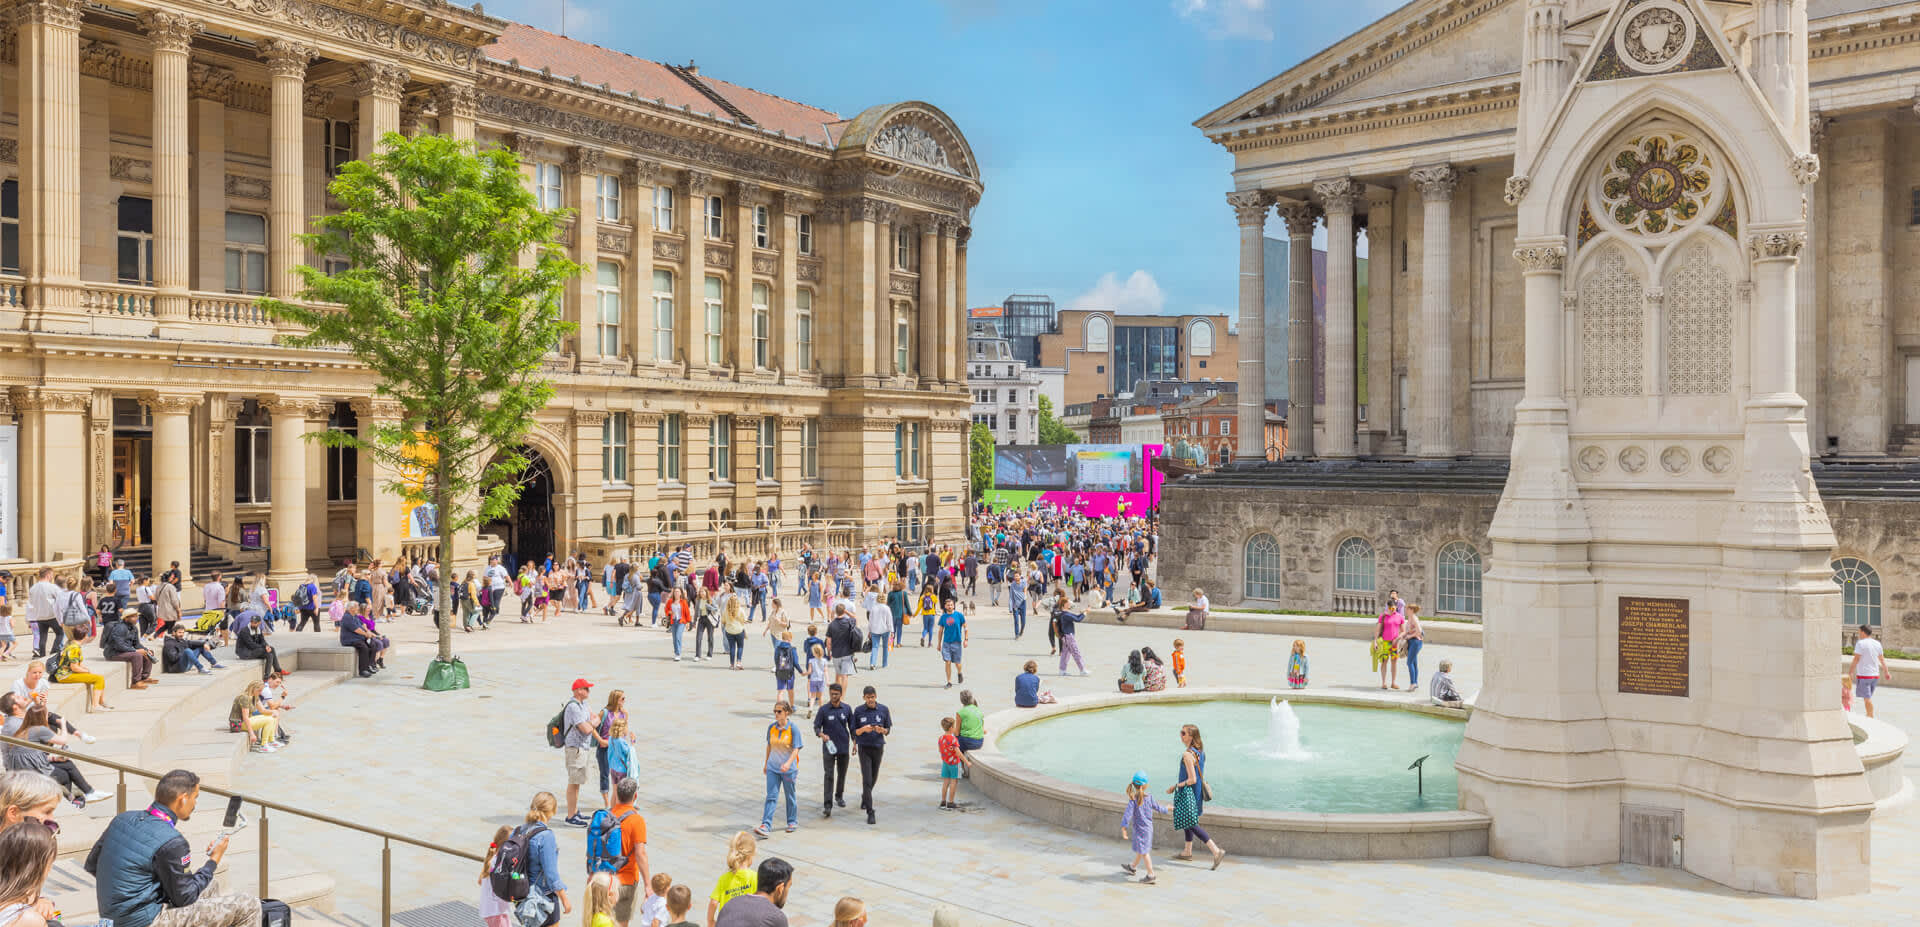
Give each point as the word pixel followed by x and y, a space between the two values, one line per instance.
pixel 418 519
pixel 9 492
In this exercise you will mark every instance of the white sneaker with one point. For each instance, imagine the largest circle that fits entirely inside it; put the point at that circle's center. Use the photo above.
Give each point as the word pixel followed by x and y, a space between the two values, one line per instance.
pixel 89 738
pixel 676 658
pixel 98 795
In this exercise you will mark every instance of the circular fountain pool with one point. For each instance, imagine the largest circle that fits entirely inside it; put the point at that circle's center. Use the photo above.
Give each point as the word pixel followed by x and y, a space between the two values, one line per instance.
pixel 1265 757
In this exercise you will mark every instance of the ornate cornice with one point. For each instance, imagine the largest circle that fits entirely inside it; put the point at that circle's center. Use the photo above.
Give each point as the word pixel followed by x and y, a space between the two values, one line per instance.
pixel 379 410
pixel 1300 217
pixel 589 418
pixel 792 421
pixel 765 265
pixel 1776 245
pixel 170 31
pixel 1397 112
pixel 289 407
pixel 720 256
pixel 808 270
pixel 378 79
pixel 287 58
pixel 950 424
pixel 209 82
pixel 699 419
pixel 46 400
pixel 62 13
pixel 321 19
pixel 1541 258
pixel 1250 206
pixel 1517 188
pixel 1435 182
pixel 584 160
pixel 963 235
pixel 1338 195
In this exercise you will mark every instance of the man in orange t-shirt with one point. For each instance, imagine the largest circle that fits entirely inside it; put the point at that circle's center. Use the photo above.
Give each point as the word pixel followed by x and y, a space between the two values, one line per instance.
pixel 634 877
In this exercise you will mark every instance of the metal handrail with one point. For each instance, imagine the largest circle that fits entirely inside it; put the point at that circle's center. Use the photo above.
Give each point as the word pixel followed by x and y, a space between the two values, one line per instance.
pixel 387 838
pixel 214 537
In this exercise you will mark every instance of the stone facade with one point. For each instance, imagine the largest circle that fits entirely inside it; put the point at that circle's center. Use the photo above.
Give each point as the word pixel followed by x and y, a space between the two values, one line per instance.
pixel 1098 349
pixel 830 252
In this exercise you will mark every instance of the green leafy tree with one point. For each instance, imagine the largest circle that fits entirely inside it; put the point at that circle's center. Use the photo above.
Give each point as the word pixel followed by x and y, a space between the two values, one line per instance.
pixel 450 322
pixel 980 460
pixel 1051 431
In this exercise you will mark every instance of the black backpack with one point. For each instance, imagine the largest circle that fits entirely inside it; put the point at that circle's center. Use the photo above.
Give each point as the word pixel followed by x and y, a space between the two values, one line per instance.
pixel 510 878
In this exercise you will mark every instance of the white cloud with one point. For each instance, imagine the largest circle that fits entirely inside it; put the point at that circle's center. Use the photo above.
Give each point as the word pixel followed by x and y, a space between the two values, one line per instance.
pixel 1228 19
pixel 1139 294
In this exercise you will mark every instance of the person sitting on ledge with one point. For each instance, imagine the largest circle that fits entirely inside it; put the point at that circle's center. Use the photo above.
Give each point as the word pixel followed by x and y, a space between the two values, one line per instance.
pixel 180 653
pixel 120 641
pixel 1145 598
pixel 1132 672
pixel 1441 687
pixel 1026 688
pixel 140 865
pixel 250 643
pixel 1154 677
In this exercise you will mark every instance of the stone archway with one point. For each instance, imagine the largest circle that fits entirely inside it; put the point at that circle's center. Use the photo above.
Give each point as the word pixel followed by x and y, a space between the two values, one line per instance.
pixel 528 527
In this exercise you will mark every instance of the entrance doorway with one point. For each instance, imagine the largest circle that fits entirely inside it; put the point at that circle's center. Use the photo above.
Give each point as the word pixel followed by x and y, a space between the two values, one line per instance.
pixel 527 528
pixel 132 499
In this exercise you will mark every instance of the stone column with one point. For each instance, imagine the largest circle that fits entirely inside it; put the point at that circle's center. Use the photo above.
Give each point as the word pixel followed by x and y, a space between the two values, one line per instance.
pixel 172 34
pixel 583 172
pixel 691 339
pixel 932 308
pixel 886 216
pixel 209 90
pixel 1337 198
pixel 287 63
pixel 786 299
pixel 172 478
pixel 853 357
pixel 99 504
pixel 457 105
pixel 53 471
pixel 1860 284
pixel 287 566
pixel 953 312
pixel 589 427
pixel 636 192
pixel 746 197
pixel 1250 208
pixel 1301 218
pixel 316 106
pixel 378 86
pixel 48 34
pixel 377 515
pixel 1433 434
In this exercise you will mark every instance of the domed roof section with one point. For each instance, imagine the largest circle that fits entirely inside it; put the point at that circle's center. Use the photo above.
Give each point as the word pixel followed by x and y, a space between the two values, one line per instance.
pixel 913 133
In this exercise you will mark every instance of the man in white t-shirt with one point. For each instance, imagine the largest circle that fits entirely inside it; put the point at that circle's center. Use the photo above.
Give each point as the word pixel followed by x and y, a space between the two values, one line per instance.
pixel 1869 664
pixel 43 601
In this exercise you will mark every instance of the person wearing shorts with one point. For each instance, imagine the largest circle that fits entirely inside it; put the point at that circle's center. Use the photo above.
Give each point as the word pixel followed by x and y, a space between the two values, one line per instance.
pixel 953 640
pixel 1869 661
pixel 581 738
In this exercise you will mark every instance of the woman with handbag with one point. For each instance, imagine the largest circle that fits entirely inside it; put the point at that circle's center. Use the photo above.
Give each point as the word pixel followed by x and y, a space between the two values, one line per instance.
pixel 1190 794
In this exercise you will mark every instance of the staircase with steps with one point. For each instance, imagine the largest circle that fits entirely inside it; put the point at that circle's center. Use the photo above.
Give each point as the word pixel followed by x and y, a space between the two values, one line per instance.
pixel 1889 478
pixel 140 563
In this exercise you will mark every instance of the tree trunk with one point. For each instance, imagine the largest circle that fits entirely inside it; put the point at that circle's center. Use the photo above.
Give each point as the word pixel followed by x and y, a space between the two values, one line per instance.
pixel 443 590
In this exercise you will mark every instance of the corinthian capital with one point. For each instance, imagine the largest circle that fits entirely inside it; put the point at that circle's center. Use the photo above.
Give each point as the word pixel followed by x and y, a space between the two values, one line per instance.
pixel 314 101
pixel 1517 187
pixel 582 160
pixel 63 13
pixel 1435 182
pixel 209 82
pixel 456 100
pixel 1300 217
pixel 379 79
pixel 1540 258
pixel 1774 245
pixel 696 183
pixel 171 32
pixel 286 58
pixel 1338 195
pixel 1250 206
pixel 751 194
pixel 170 403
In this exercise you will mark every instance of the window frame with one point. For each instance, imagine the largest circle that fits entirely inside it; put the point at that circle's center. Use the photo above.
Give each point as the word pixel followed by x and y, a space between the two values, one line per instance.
pixel 715 213
pixel 810 449
pixel 762 227
pixel 803 327
pixel 1456 593
pixel 250 255
pixel 669 434
pixel 253 452
pixel 902 342
pixel 1262 580
pixel 334 152
pixel 805 234
pixel 142 242
pixel 663 336
pixel 663 209
pixel 1853 611
pixel 1346 564
pixel 615 442
pixel 606 197
pixel 343 463
pixel 767 454
pixel 548 183
pixel 10 226
pixel 607 300
pixel 762 325
pixel 720 449
pixel 713 299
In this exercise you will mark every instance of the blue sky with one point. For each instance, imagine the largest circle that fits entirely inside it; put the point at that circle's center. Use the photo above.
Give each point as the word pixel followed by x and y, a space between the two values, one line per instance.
pixel 1099 190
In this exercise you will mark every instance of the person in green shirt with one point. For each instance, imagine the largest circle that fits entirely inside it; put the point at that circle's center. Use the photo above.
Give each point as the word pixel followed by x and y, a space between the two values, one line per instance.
pixel 970 725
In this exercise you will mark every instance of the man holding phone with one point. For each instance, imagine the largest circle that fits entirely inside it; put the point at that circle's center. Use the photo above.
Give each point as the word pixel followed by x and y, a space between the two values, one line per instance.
pixel 140 867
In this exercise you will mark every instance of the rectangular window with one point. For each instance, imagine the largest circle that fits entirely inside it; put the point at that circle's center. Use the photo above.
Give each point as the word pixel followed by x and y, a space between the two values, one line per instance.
pixel 607 198
pixel 246 253
pixel 769 460
pixel 716 221
pixel 136 240
pixel 810 449
pixel 902 344
pixel 762 227
pixel 343 463
pixel 903 242
pixel 334 267
pixel 803 323
pixel 1913 207
pixel 762 326
pixel 338 140
pixel 252 454
pixel 720 449
pixel 613 448
pixel 913 446
pixel 1226 426
pixel 667 438
pixel 10 227
pixel 546 185
pixel 663 209
pixel 900 451
pixel 607 294
pixel 806 234
pixel 716 322
pixel 663 316
pixel 993 422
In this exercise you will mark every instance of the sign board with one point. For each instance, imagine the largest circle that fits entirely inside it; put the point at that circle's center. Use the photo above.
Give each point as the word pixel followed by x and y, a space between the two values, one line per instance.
pixel 250 535
pixel 1654 648
pixel 9 492
pixel 949 498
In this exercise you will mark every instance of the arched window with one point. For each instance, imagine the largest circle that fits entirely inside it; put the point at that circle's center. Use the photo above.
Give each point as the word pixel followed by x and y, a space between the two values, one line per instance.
pixel 677 523
pixel 900 522
pixel 1099 334
pixel 1353 576
pixel 1200 338
pixel 606 526
pixel 623 526
pixel 813 514
pixel 1859 592
pixel 1263 567
pixel 726 518
pixel 660 523
pixel 1458 571
pixel 919 521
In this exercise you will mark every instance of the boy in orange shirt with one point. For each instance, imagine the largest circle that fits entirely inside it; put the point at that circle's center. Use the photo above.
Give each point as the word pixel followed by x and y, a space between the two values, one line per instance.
pixel 1180 662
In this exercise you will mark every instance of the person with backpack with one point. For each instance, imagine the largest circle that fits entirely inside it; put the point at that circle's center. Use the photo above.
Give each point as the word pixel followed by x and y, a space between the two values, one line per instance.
pixel 573 729
pixel 526 869
pixel 617 844
pixel 843 635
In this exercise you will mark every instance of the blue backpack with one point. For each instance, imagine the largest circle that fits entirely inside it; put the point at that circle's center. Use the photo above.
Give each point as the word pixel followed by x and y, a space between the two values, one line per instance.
pixel 604 843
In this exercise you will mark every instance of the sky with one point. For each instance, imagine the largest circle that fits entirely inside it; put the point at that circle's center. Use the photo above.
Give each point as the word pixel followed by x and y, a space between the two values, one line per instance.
pixel 1099 190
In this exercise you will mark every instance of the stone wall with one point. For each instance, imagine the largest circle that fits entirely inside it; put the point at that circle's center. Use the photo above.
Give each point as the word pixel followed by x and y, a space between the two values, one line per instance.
pixel 1205 530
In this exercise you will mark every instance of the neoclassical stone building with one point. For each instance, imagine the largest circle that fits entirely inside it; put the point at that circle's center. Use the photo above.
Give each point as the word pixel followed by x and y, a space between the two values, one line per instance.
pixel 1411 132
pixel 770 322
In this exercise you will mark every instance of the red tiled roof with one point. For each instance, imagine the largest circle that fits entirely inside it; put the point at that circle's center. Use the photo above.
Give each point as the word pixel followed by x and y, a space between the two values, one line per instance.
pixel 537 48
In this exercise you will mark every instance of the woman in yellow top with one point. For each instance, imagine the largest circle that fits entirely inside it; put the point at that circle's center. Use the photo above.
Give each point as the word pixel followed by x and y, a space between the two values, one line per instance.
pixel 740 879
pixel 71 670
pixel 262 726
pixel 929 609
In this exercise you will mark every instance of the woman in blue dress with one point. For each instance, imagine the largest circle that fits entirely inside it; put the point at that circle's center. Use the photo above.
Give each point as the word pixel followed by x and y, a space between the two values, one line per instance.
pixel 1189 792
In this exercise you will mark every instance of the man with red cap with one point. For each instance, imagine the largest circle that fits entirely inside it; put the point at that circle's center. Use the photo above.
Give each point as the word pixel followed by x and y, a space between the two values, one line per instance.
pixel 577 719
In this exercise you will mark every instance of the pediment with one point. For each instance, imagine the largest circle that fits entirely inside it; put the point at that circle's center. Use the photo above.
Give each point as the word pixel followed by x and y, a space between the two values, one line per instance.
pixel 1427 43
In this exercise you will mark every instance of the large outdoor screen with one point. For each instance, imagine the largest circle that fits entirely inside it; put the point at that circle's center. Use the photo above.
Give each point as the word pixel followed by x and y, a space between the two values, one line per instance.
pixel 1099 479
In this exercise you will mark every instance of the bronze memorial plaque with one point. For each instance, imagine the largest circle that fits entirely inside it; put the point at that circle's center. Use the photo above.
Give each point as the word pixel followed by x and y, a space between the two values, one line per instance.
pixel 1653 646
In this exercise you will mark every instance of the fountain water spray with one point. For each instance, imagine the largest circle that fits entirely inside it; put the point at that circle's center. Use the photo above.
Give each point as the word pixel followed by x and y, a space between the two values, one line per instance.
pixel 1283 732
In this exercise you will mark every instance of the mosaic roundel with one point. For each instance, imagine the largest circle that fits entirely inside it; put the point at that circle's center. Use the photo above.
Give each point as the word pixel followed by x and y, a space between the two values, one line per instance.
pixel 1657 183
pixel 1653 37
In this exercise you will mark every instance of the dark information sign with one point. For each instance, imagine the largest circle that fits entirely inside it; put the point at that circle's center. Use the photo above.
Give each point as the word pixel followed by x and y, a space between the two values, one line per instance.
pixel 1653 646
